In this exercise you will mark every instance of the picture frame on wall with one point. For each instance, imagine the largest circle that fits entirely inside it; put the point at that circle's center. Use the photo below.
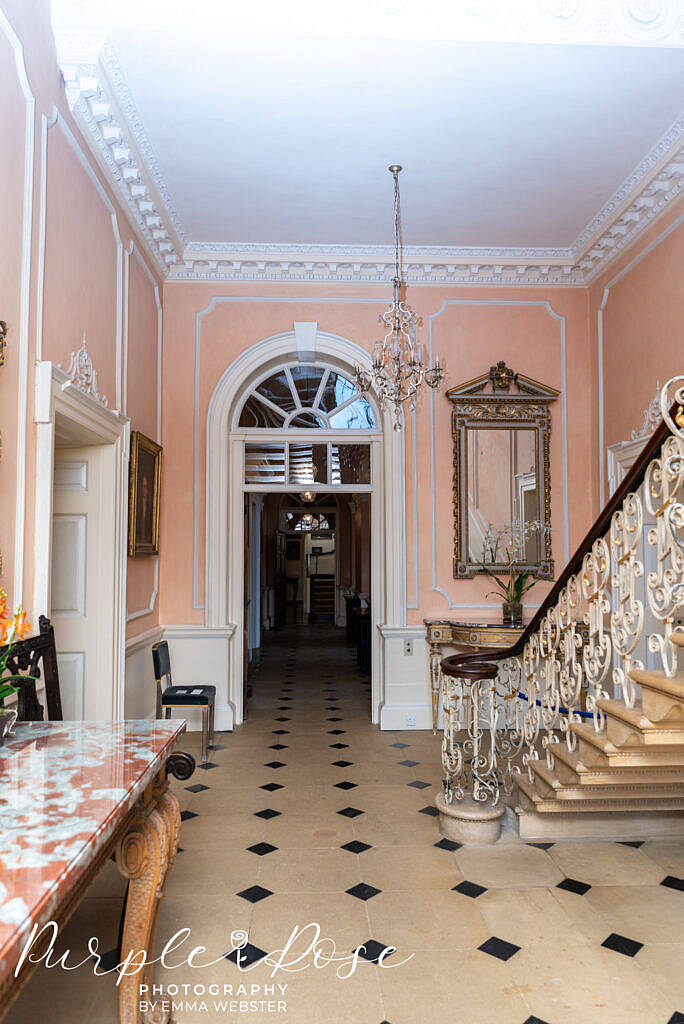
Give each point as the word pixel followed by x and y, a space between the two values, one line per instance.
pixel 143 496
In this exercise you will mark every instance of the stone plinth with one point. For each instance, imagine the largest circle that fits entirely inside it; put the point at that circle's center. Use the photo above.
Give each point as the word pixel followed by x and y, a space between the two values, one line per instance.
pixel 467 821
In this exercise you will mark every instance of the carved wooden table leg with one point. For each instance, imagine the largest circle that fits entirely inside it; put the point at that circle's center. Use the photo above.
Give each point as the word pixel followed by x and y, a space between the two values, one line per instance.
pixel 144 855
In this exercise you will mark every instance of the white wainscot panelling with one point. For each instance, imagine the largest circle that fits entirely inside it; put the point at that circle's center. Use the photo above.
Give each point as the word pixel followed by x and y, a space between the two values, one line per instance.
pixel 71 684
pixel 69 564
pixel 140 687
pixel 407 703
pixel 71 475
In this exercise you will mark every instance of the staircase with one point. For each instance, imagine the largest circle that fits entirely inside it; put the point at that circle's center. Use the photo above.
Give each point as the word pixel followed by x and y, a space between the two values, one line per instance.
pixel 577 761
pixel 322 598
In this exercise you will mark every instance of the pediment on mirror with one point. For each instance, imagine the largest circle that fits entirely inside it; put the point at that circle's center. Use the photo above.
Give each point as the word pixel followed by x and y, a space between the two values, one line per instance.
pixel 501 428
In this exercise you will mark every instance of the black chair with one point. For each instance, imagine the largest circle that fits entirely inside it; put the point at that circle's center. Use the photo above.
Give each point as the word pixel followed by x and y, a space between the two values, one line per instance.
pixel 200 696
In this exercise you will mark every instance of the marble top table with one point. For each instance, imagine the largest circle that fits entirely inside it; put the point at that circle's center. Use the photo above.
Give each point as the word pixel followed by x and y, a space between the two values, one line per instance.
pixel 72 794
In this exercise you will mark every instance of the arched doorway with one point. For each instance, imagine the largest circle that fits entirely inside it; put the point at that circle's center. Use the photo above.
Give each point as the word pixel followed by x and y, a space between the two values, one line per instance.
pixel 329 417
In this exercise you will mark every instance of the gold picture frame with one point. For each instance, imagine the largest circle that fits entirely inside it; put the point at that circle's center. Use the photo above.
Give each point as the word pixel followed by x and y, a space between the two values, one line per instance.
pixel 143 496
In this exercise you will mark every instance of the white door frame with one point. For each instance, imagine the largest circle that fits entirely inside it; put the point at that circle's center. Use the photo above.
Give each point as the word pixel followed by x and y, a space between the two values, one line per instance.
pixel 224 558
pixel 56 394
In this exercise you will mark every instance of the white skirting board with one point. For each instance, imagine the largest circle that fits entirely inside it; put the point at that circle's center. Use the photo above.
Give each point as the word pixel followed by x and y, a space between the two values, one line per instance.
pixel 198 655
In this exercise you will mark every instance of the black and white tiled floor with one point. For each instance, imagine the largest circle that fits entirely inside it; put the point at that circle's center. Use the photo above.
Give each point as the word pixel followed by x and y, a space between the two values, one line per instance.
pixel 308 813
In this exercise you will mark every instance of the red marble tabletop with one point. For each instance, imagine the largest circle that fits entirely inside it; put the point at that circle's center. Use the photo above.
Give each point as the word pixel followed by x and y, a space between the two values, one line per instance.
pixel 64 789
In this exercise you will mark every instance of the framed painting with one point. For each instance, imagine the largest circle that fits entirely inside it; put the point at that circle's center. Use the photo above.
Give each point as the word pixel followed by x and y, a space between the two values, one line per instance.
pixel 143 496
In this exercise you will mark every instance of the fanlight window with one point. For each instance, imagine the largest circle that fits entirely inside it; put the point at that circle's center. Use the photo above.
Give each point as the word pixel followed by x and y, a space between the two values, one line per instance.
pixel 309 522
pixel 307 397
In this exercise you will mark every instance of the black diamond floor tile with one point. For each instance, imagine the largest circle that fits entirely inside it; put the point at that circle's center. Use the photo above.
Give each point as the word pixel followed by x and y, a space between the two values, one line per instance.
pixel 350 812
pixel 676 1018
pixel 246 956
pixel 219 746
pixel 573 885
pixel 400 746
pixel 275 764
pixel 372 951
pixel 281 732
pixel 534 1020
pixel 271 787
pixel 336 732
pixel 541 846
pixel 429 810
pixel 672 882
pixel 448 844
pixel 197 788
pixel 255 893
pixel 471 889
pixel 335 719
pixel 187 815
pixel 267 813
pixel 499 948
pixel 342 764
pixel 362 891
pixel 417 784
pixel 261 849
pixel 339 746
pixel 408 764
pixel 279 746
pixel 282 718
pixel 207 766
pixel 635 843
pixel 621 944
pixel 356 846
pixel 345 785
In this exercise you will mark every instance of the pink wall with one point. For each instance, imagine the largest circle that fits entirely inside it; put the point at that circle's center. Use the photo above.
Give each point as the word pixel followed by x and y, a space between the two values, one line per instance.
pixel 472 329
pixel 86 237
pixel 642 296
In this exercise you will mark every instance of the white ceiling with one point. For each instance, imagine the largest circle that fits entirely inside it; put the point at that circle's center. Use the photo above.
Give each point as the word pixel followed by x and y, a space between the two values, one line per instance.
pixel 286 138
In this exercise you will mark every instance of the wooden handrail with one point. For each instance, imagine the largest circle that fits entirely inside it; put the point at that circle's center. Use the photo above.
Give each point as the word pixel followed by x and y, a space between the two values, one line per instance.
pixel 600 527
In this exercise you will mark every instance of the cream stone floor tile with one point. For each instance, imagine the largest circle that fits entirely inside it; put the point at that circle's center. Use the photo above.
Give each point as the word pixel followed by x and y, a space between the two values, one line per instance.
pixel 309 831
pixel 459 985
pixel 108 884
pixel 341 920
pixel 529 917
pixel 198 912
pixel 644 913
pixel 409 868
pixel 507 866
pixel 216 873
pixel 663 963
pixel 602 863
pixel 587 921
pixel 321 870
pixel 318 996
pixel 667 854
pixel 564 984
pixel 434 920
pixel 225 831
pixel 418 830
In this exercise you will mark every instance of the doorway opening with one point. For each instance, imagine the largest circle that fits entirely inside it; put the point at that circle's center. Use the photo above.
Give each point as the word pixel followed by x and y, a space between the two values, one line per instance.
pixel 307 574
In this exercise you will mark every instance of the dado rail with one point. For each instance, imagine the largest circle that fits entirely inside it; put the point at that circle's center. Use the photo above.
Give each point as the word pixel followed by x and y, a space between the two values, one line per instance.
pixel 583 718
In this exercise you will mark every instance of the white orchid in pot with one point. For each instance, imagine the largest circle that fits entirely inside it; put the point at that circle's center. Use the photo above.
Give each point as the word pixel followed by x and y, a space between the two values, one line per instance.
pixel 505 550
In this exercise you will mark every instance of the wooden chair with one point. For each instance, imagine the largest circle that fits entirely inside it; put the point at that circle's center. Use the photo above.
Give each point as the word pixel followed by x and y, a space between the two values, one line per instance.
pixel 37 657
pixel 200 696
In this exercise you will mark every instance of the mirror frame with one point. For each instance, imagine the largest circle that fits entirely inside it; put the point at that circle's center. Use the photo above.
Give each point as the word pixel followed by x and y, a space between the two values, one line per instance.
pixel 501 399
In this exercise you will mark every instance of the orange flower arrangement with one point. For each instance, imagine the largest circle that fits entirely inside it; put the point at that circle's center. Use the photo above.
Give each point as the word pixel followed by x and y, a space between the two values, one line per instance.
pixel 13 627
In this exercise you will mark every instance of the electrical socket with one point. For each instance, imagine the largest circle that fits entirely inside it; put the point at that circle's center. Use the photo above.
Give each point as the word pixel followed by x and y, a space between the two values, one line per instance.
pixel 410 720
pixel 408 648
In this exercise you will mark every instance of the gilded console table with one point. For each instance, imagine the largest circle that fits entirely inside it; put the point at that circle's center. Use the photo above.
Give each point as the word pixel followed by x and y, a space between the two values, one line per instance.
pixel 72 795
pixel 474 636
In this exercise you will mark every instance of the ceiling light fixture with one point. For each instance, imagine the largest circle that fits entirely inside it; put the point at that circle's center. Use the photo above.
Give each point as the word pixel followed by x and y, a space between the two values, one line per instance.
pixel 307 496
pixel 398 370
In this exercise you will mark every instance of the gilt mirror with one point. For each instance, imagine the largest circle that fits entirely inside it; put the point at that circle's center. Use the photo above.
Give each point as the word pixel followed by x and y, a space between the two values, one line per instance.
pixel 501 427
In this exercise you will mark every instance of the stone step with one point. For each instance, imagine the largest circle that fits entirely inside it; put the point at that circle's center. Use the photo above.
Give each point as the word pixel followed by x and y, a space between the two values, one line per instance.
pixel 597 749
pixel 549 786
pixel 660 694
pixel 631 727
pixel 532 799
pixel 678 637
pixel 572 770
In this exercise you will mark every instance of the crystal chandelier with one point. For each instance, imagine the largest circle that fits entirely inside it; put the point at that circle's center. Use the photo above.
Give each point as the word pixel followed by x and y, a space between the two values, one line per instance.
pixel 398 370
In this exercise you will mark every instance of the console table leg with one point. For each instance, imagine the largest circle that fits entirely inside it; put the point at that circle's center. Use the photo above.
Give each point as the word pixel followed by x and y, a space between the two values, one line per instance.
pixel 144 855
pixel 435 680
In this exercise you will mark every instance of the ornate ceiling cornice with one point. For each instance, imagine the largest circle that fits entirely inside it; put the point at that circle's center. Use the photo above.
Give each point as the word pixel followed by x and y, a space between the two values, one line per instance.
pixel 103 105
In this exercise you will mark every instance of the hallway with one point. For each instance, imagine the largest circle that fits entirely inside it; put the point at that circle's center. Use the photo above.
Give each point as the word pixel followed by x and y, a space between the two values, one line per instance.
pixel 308 813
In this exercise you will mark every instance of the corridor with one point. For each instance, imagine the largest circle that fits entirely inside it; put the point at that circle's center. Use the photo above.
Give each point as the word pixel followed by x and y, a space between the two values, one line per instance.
pixel 310 814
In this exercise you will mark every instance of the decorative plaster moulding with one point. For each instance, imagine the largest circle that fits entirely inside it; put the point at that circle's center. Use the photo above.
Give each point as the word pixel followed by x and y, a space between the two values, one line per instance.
pixel 102 104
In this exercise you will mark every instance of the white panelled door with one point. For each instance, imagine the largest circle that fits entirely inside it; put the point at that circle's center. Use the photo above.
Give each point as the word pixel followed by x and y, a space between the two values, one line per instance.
pixel 78 594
